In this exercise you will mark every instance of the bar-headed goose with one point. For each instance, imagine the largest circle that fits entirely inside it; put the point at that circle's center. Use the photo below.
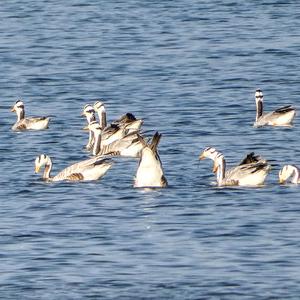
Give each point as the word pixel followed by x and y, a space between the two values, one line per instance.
pixel 128 145
pixel 252 170
pixel 282 116
pixel 23 123
pixel 289 172
pixel 150 171
pixel 89 169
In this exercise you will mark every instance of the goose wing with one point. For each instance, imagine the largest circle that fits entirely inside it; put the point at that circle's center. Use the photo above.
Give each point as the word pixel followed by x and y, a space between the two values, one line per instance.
pixel 77 168
pixel 36 119
pixel 119 145
pixel 239 172
pixel 284 109
pixel 251 158
pixel 125 119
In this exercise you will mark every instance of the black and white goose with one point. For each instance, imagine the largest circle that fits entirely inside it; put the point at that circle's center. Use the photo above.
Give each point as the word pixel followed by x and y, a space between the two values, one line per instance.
pixel 252 170
pixel 282 116
pixel 150 171
pixel 128 145
pixel 289 172
pixel 23 123
pixel 89 169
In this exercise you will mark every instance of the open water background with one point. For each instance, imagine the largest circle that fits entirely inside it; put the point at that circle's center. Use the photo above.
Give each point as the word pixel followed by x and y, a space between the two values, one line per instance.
pixel 190 70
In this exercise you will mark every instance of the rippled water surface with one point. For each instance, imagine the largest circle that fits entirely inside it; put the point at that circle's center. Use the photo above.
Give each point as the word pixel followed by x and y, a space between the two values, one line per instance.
pixel 190 70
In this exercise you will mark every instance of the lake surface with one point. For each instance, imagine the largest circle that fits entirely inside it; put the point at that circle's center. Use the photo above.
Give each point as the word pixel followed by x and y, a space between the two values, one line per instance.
pixel 190 70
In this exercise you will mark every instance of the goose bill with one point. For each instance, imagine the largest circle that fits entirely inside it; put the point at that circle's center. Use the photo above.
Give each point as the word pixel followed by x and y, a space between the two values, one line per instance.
pixel 37 169
pixel 13 109
pixel 201 156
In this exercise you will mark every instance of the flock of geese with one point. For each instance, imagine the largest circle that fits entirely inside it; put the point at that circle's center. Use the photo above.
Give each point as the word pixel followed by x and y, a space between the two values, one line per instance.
pixel 123 138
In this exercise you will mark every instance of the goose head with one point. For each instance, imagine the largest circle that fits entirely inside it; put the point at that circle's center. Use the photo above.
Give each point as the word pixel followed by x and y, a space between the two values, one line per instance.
pixel 19 109
pixel 89 113
pixel 286 172
pixel 208 152
pixel 259 97
pixel 99 106
pixel 41 161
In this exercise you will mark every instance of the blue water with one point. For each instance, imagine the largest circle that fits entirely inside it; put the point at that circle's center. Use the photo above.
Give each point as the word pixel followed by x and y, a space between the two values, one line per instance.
pixel 190 70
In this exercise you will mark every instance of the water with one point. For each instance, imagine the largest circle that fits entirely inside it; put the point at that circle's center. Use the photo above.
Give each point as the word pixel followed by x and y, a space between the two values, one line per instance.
pixel 190 70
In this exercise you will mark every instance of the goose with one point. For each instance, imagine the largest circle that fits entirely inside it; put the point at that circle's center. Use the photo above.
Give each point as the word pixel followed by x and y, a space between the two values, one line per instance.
pixel 289 171
pixel 128 145
pixel 89 169
pixel 32 123
pixel 252 170
pixel 150 171
pixel 282 116
pixel 89 113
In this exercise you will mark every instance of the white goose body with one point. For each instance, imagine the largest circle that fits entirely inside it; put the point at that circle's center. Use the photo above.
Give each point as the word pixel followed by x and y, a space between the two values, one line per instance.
pixel 252 171
pixel 23 123
pixel 282 116
pixel 289 172
pixel 89 169
pixel 150 171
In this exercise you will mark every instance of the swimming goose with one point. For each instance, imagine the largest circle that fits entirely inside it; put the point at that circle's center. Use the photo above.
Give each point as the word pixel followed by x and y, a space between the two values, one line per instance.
pixel 32 123
pixel 252 170
pixel 150 171
pixel 128 145
pixel 282 116
pixel 289 171
pixel 89 169
pixel 89 113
